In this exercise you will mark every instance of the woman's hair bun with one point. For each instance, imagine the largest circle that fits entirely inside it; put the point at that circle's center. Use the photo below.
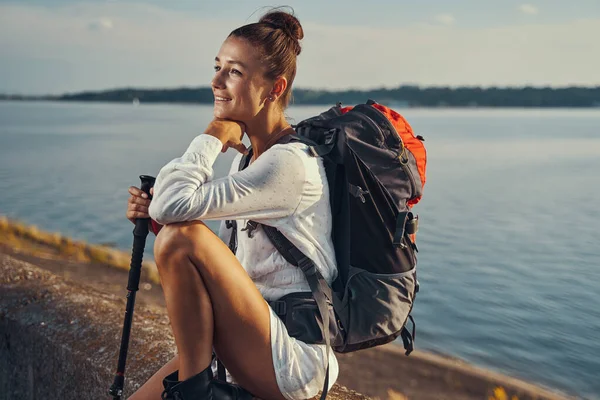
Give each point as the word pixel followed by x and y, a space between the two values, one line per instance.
pixel 276 38
pixel 284 21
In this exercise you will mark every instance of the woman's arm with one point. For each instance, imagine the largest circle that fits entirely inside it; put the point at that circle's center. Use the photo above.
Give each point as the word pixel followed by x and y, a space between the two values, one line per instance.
pixel 271 187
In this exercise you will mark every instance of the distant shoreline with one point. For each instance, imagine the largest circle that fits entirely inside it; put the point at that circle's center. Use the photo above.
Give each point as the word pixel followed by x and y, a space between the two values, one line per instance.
pixel 401 97
pixel 59 103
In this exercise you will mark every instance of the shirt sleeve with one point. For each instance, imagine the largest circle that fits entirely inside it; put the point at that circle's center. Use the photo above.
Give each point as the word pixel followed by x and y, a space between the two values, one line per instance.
pixel 271 187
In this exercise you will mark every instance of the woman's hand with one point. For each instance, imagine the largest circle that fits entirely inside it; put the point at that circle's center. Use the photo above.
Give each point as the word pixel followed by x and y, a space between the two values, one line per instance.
pixel 230 133
pixel 138 203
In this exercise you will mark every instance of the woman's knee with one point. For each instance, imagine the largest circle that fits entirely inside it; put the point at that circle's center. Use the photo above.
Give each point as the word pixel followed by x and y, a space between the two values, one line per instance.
pixel 177 241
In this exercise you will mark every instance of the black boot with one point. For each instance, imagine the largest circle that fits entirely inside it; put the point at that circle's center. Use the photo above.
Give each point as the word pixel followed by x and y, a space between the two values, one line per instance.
pixel 168 382
pixel 197 387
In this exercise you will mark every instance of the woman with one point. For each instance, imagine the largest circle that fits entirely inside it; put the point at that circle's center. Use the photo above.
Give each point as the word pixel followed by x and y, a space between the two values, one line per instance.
pixel 215 299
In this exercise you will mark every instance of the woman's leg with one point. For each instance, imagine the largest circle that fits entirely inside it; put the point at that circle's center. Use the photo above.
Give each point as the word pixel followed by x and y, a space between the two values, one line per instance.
pixel 211 301
pixel 153 387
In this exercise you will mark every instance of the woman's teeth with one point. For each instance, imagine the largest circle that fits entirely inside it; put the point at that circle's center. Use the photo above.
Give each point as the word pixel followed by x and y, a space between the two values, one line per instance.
pixel 221 98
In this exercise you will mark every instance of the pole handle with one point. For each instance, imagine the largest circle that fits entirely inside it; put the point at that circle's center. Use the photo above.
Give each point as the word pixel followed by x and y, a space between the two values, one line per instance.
pixel 141 224
pixel 147 183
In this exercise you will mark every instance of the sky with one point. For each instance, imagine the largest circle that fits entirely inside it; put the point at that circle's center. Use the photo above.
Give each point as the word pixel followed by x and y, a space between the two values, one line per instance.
pixel 61 46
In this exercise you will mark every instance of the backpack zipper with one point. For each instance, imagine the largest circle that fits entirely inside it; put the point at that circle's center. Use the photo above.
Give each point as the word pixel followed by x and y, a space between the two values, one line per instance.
pixel 407 171
pixel 358 192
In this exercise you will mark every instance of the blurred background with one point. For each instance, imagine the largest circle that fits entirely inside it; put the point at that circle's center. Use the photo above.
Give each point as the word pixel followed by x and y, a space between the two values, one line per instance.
pixel 509 242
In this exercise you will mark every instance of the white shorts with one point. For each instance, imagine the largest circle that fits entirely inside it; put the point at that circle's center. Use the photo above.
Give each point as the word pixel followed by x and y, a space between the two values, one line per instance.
pixel 299 367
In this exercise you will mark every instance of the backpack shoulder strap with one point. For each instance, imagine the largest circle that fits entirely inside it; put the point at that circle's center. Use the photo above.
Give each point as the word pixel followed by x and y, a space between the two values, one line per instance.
pixel 318 286
pixel 245 160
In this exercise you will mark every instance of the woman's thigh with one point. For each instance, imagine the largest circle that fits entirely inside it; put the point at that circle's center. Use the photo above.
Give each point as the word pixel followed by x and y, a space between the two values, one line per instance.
pixel 242 337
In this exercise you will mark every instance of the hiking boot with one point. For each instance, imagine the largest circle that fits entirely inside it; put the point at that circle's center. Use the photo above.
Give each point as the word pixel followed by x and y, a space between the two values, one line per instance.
pixel 168 382
pixel 228 391
pixel 194 388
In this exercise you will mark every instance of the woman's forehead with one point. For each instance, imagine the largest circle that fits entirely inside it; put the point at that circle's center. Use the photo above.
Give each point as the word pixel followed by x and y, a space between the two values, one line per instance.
pixel 239 51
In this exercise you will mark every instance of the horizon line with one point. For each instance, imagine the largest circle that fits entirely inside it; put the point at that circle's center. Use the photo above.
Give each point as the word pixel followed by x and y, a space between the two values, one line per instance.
pixel 327 90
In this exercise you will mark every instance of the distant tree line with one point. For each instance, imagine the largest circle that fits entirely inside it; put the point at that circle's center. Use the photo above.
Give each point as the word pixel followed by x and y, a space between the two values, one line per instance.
pixel 409 96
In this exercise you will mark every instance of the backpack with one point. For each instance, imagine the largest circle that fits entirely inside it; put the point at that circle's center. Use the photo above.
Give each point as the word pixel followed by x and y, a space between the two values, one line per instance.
pixel 375 169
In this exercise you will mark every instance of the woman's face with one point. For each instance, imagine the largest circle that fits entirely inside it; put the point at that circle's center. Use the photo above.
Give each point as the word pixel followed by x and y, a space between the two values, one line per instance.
pixel 239 85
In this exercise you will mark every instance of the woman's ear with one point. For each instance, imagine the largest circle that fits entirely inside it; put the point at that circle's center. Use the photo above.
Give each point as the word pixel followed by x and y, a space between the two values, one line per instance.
pixel 279 87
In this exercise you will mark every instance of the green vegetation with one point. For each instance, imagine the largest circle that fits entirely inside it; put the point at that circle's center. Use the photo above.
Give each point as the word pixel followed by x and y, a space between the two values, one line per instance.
pixel 403 96
pixel 31 240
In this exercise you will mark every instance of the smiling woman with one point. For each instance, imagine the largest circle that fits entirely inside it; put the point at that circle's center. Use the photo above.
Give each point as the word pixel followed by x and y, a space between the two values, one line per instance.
pixel 240 81
pixel 217 295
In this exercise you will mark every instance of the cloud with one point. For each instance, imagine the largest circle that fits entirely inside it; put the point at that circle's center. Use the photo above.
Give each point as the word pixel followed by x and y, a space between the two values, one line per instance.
pixel 106 23
pixel 100 24
pixel 528 9
pixel 446 19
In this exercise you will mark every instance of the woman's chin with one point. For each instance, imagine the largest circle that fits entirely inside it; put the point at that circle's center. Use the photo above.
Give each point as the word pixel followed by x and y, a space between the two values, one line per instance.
pixel 222 114
pixel 218 112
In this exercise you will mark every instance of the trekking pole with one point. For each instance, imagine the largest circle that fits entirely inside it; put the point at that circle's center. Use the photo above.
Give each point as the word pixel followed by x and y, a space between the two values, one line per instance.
pixel 135 268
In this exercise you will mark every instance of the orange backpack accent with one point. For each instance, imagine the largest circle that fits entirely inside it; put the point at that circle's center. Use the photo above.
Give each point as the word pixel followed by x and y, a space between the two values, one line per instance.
pixel 411 142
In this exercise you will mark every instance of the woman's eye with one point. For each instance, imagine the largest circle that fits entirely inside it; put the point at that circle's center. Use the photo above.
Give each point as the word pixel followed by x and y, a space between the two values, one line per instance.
pixel 232 70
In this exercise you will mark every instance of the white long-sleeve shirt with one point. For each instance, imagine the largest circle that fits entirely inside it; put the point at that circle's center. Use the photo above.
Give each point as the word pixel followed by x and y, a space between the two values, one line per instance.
pixel 285 187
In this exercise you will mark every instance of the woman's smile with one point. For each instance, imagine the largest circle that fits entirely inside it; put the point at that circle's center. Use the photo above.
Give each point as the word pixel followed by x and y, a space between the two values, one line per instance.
pixel 222 99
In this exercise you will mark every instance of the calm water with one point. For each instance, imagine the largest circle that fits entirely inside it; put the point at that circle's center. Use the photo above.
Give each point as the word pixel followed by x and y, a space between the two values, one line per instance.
pixel 509 240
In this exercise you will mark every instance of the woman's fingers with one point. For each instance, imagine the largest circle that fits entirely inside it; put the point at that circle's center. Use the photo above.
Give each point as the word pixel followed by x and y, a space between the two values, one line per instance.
pixel 237 146
pixel 137 192
pixel 133 215
pixel 137 204
pixel 226 131
pixel 139 211
pixel 138 207
pixel 240 147
pixel 138 200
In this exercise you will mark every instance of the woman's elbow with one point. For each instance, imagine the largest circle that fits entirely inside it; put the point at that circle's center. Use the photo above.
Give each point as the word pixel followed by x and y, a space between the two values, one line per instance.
pixel 159 212
pixel 176 209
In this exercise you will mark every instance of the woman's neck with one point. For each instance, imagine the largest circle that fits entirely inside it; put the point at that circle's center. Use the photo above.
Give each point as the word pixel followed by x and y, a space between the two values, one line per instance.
pixel 264 135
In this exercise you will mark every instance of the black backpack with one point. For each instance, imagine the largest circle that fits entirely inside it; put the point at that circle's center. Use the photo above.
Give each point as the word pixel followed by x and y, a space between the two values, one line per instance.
pixel 375 168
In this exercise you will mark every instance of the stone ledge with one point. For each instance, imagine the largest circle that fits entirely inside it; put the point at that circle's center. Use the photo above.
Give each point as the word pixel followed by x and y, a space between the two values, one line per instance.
pixel 61 340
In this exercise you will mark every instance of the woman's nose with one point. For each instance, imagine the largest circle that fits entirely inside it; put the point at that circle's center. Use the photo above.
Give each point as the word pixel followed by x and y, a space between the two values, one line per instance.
pixel 217 81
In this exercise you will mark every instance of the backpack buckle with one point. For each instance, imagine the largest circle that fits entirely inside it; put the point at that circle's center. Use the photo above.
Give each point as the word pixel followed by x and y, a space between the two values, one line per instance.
pixel 330 136
pixel 250 228
pixel 412 224
pixel 307 266
pixel 406 224
pixel 279 307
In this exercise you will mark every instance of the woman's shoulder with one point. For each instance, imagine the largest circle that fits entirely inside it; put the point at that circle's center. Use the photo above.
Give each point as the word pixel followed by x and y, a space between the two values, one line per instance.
pixel 293 154
pixel 297 149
